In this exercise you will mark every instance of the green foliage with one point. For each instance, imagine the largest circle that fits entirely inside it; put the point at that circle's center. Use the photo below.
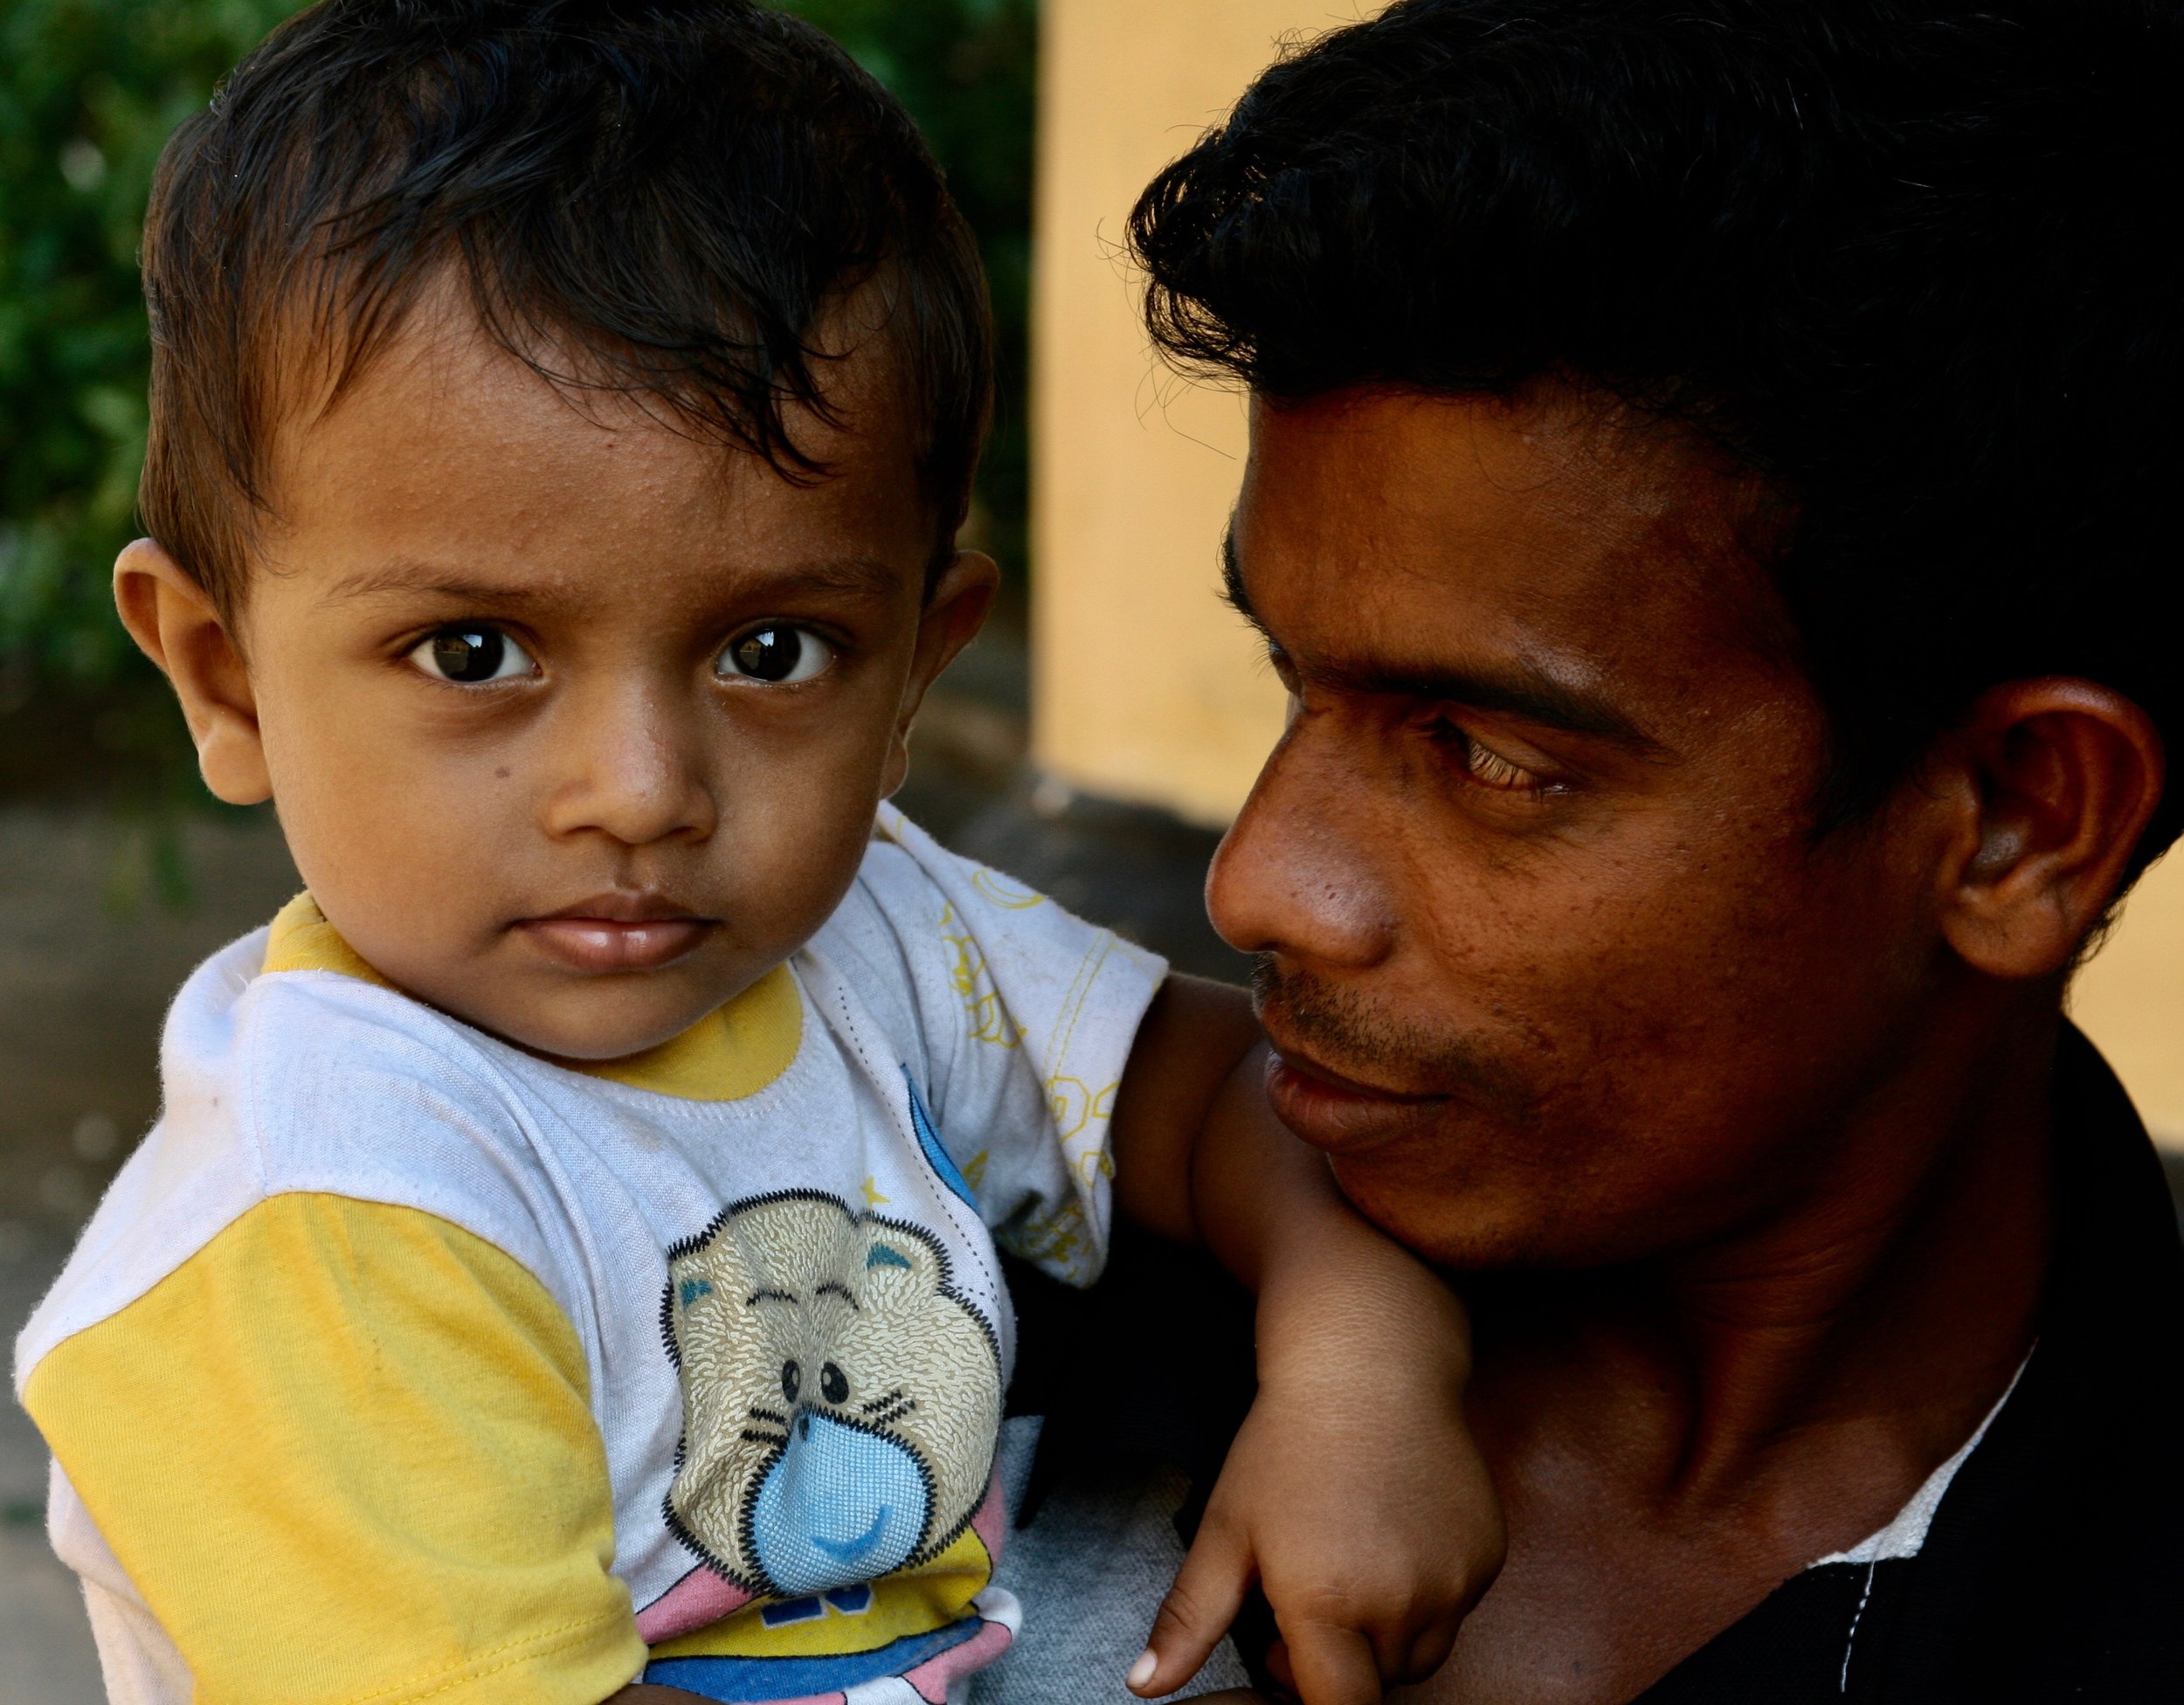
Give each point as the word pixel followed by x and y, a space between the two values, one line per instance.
pixel 89 91
pixel 966 69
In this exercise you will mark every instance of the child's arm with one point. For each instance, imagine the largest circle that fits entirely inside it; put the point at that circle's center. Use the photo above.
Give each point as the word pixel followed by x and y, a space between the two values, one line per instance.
pixel 1354 1493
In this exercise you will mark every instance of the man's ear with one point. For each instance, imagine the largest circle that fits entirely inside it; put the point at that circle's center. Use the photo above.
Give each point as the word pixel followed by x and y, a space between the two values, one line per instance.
pixel 2054 781
pixel 173 620
pixel 955 610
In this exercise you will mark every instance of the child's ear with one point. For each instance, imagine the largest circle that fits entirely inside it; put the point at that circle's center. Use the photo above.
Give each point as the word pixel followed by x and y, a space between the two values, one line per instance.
pixel 174 620
pixel 955 610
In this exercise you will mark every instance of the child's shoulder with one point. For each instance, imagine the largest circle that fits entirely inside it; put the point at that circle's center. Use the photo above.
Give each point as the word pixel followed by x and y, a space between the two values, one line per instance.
pixel 297 1080
pixel 929 898
pixel 982 966
pixel 288 1045
pixel 922 928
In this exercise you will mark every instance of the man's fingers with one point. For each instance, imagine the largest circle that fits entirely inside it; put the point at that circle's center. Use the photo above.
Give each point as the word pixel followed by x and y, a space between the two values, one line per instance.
pixel 1332 1664
pixel 1208 1592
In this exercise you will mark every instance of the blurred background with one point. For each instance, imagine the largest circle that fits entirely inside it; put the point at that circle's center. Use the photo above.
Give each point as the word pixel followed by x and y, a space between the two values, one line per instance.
pixel 1094 741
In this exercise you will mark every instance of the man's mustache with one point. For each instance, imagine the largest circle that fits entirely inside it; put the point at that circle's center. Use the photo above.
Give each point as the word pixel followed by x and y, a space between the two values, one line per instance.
pixel 1338 1029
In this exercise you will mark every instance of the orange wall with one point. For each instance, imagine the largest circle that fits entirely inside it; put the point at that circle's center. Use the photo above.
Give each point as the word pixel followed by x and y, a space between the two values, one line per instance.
pixel 1133 472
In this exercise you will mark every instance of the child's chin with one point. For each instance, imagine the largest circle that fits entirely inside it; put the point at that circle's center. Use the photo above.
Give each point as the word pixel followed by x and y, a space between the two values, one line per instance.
pixel 594 1024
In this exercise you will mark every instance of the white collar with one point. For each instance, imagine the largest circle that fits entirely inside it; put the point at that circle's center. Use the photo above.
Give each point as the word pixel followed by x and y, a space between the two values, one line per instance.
pixel 1905 1534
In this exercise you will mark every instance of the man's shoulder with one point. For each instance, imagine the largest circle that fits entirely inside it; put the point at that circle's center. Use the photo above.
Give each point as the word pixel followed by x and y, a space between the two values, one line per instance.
pixel 2054 1561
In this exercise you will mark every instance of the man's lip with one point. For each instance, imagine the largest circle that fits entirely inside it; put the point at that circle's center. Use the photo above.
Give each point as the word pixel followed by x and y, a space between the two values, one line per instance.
pixel 1337 1112
pixel 1333 1082
pixel 618 931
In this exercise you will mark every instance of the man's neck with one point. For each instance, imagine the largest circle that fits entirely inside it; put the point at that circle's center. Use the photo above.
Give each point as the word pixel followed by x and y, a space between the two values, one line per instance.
pixel 1900 1288
pixel 1675 1439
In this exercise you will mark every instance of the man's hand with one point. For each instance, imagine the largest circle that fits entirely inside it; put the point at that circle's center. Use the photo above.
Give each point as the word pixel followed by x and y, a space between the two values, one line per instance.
pixel 643 1693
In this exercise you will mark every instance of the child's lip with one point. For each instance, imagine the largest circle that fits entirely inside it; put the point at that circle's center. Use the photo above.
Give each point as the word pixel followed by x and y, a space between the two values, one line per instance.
pixel 618 931
pixel 623 906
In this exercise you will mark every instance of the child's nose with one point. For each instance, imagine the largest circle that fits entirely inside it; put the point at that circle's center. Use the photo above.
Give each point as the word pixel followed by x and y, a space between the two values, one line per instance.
pixel 634 766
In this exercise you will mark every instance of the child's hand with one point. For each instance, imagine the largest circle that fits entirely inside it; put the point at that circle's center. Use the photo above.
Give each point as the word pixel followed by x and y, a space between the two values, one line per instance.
pixel 1364 1512
pixel 1354 1493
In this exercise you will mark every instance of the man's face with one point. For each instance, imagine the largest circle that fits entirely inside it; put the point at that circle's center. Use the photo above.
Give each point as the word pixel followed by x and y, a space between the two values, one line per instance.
pixel 576 726
pixel 1557 970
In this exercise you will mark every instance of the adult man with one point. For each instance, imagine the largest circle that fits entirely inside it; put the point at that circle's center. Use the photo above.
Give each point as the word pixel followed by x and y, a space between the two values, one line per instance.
pixel 1705 502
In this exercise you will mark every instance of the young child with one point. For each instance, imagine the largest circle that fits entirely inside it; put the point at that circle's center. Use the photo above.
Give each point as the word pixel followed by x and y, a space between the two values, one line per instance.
pixel 566 1257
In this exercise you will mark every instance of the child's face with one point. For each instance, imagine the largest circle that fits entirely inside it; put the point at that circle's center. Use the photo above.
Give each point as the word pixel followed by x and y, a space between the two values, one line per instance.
pixel 576 727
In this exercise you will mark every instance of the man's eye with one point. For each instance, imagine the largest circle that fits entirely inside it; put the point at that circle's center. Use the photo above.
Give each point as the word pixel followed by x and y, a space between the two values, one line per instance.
pixel 470 656
pixel 1484 766
pixel 777 654
pixel 1492 769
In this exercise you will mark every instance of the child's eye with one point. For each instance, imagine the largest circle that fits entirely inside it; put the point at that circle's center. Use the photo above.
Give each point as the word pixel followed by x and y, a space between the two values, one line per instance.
pixel 470 655
pixel 777 654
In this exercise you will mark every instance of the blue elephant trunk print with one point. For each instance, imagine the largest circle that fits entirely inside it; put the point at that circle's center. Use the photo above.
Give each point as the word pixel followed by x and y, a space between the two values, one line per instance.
pixel 840 1504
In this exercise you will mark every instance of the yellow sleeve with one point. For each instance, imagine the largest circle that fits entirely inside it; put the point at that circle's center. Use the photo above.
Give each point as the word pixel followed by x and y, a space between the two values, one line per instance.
pixel 346 1454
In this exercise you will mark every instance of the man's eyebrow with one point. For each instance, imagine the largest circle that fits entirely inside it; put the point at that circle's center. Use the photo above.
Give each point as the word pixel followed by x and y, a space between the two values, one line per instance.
pixel 852 576
pixel 1520 689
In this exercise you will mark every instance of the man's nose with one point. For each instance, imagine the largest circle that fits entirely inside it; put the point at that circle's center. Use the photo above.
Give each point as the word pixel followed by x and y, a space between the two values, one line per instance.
pixel 633 764
pixel 1300 870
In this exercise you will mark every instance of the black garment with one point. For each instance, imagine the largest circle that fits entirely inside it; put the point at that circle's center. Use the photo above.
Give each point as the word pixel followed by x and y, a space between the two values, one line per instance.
pixel 2054 1569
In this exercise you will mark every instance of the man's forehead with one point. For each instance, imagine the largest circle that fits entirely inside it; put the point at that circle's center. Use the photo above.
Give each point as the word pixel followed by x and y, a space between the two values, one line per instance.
pixel 1388 658
pixel 1406 525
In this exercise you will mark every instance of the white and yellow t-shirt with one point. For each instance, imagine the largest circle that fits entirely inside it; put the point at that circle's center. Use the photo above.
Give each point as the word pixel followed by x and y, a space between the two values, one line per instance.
pixel 401 1365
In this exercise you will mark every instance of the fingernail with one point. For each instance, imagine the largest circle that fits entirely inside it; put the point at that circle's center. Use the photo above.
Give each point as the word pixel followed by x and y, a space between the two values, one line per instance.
pixel 1141 1672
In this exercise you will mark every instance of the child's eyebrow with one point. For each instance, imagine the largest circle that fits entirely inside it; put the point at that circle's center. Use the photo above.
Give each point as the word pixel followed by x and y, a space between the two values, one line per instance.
pixel 846 577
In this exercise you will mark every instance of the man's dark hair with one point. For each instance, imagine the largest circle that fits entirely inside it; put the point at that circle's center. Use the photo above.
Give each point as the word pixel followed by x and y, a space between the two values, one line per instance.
pixel 1921 264
pixel 665 199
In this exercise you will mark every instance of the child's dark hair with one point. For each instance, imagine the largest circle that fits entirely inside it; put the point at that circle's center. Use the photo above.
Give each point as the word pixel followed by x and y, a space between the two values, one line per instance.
pixel 1921 262
pixel 665 199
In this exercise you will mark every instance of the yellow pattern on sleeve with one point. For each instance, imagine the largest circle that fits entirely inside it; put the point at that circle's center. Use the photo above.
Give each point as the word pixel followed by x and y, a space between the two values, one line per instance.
pixel 989 1018
pixel 346 1455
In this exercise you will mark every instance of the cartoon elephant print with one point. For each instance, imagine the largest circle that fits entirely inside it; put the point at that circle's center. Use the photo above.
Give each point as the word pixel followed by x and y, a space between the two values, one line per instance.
pixel 840 1401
